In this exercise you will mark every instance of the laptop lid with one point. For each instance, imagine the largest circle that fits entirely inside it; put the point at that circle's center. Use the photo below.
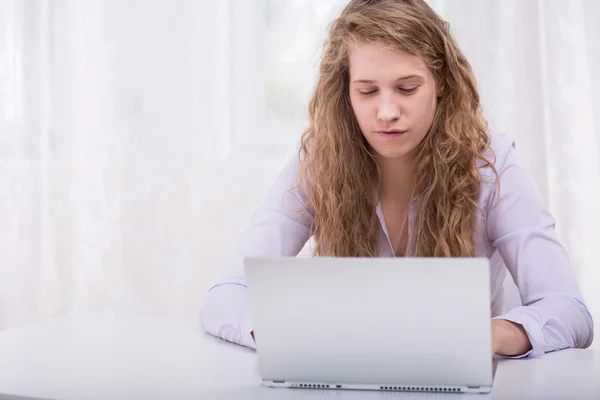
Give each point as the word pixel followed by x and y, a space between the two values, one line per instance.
pixel 372 322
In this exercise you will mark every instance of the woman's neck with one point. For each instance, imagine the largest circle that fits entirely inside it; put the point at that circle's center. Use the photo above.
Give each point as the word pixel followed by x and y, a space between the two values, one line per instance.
pixel 396 180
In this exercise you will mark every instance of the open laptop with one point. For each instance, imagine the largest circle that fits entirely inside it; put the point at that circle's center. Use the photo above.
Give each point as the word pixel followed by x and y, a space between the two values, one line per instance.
pixel 390 324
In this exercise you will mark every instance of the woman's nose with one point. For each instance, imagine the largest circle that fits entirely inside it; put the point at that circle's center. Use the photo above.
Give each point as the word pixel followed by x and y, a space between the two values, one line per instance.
pixel 388 110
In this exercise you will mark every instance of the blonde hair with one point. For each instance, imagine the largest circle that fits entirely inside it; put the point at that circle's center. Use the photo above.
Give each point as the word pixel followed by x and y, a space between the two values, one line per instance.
pixel 338 172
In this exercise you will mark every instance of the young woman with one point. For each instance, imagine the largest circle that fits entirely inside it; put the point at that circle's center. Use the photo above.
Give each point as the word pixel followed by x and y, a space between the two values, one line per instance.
pixel 397 161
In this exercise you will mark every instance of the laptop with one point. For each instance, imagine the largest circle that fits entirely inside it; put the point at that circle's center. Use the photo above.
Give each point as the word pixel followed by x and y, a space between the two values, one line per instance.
pixel 385 324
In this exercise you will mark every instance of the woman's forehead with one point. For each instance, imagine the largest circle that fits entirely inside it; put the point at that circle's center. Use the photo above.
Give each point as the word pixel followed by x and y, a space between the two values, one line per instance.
pixel 369 61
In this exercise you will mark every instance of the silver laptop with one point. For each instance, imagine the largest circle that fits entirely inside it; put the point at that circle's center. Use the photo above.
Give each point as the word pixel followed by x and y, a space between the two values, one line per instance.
pixel 390 324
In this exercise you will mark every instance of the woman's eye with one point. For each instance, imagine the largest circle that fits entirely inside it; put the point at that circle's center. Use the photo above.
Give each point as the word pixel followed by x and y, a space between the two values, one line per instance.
pixel 368 92
pixel 401 89
pixel 408 90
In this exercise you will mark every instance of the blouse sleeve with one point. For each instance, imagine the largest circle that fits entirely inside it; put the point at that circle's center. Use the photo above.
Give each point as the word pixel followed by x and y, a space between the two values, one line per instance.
pixel 553 314
pixel 280 227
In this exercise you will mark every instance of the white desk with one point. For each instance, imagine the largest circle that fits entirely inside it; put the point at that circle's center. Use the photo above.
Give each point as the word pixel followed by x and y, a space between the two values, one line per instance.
pixel 128 357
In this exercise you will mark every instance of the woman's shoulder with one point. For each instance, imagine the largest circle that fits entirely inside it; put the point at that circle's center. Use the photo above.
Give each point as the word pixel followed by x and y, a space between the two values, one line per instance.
pixel 500 147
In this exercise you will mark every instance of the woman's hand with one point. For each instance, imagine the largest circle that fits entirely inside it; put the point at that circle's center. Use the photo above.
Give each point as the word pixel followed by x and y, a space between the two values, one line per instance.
pixel 509 338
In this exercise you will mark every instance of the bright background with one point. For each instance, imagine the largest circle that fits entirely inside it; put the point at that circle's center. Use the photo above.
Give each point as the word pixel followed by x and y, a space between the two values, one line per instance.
pixel 137 137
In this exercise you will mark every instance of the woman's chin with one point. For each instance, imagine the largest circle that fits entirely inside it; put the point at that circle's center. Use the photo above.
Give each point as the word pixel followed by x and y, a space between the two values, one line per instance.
pixel 394 154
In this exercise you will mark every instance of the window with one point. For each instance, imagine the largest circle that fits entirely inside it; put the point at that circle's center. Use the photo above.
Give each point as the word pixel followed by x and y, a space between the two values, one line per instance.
pixel 295 33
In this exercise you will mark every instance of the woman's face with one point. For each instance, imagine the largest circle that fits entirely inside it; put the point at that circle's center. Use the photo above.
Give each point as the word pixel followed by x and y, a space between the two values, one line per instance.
pixel 394 98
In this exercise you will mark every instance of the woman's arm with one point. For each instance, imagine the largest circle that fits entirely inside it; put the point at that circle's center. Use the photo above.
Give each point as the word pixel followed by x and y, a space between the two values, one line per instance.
pixel 279 228
pixel 554 315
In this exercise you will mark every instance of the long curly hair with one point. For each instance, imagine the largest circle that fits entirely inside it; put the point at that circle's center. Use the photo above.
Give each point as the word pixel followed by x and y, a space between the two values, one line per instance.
pixel 338 171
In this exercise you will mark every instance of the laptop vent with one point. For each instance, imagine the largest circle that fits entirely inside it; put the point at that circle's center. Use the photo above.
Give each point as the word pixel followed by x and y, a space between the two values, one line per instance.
pixel 388 388
pixel 421 389
pixel 311 386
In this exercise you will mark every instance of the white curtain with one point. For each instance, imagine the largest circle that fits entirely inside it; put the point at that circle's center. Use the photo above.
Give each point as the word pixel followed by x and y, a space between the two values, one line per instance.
pixel 119 186
pixel 136 138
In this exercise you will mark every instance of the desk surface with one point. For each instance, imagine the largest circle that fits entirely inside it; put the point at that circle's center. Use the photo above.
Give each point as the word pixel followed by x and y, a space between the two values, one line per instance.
pixel 115 356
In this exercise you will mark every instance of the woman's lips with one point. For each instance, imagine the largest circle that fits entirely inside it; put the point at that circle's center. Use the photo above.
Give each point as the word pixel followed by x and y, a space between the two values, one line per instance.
pixel 391 133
